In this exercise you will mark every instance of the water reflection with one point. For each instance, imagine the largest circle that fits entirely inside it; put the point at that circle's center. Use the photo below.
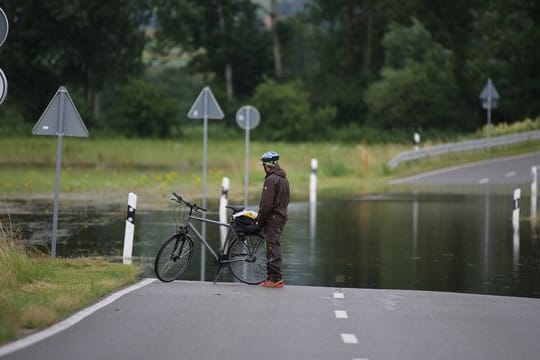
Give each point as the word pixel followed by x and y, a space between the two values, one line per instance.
pixel 485 239
pixel 442 242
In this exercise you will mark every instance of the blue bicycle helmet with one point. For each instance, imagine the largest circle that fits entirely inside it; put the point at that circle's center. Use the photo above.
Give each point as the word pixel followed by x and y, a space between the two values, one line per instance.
pixel 270 158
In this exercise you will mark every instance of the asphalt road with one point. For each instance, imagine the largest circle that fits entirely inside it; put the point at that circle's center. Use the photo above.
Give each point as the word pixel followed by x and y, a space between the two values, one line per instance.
pixel 193 320
pixel 509 170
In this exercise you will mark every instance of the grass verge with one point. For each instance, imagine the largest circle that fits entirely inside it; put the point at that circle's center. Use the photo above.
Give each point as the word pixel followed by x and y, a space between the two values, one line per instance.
pixel 37 291
pixel 107 169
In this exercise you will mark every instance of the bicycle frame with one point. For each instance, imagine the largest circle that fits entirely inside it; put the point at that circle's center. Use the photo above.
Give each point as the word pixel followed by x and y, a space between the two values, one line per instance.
pixel 203 241
pixel 207 245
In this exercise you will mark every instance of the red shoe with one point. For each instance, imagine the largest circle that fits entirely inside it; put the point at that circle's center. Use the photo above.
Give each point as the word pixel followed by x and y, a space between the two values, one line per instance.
pixel 270 284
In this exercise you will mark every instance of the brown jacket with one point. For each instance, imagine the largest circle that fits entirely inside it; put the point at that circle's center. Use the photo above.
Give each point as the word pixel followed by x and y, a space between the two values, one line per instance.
pixel 275 196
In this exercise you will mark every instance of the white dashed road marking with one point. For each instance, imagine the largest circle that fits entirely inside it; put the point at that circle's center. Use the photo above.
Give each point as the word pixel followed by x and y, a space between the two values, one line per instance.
pixel 510 174
pixel 339 295
pixel 349 339
pixel 341 314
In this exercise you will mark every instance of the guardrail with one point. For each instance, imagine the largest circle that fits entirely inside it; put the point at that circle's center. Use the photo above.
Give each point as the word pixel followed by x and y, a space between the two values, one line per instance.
pixel 463 146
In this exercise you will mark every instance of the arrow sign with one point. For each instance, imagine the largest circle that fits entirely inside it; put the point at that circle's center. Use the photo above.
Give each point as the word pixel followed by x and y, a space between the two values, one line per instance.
pixel 61 117
pixel 206 106
pixel 489 96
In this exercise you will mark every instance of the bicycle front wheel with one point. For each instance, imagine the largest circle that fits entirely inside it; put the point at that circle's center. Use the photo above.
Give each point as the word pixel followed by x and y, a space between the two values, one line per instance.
pixel 173 257
pixel 247 256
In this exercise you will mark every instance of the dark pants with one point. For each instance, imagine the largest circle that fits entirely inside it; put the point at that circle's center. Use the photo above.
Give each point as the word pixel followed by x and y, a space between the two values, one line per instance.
pixel 273 230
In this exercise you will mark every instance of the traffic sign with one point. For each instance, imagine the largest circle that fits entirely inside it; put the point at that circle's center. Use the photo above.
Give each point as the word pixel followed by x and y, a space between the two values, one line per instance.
pixel 61 117
pixel 4 27
pixel 3 86
pixel 205 106
pixel 489 96
pixel 248 117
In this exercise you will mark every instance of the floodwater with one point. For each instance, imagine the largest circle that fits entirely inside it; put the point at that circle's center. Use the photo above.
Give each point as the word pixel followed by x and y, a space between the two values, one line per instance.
pixel 426 241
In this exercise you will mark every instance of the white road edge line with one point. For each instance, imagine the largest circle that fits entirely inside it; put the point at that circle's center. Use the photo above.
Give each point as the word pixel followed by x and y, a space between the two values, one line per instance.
pixel 458 167
pixel 349 339
pixel 483 181
pixel 70 321
pixel 341 314
pixel 510 174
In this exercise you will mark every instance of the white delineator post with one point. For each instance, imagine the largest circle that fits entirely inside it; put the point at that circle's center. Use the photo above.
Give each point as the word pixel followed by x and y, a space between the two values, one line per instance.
pixel 313 181
pixel 515 224
pixel 223 210
pixel 515 212
pixel 534 190
pixel 130 228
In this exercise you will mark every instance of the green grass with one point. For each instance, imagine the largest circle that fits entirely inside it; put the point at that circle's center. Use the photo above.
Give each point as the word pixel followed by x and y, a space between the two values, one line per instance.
pixel 110 168
pixel 37 291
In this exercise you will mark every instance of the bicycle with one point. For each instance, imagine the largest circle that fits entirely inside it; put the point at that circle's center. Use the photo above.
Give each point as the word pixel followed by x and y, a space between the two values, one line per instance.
pixel 243 251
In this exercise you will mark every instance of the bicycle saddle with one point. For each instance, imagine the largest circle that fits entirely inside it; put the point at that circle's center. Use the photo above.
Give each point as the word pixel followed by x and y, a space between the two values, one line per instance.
pixel 235 208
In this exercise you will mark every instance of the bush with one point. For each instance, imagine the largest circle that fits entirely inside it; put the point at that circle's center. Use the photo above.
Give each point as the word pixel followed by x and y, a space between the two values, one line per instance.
pixel 417 87
pixel 286 113
pixel 12 122
pixel 143 110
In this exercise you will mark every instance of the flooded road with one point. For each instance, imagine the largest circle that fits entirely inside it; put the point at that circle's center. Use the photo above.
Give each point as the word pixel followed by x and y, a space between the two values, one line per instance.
pixel 459 242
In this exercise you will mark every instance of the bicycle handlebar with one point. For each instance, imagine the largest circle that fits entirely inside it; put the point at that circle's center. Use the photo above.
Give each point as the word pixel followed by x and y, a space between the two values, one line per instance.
pixel 191 205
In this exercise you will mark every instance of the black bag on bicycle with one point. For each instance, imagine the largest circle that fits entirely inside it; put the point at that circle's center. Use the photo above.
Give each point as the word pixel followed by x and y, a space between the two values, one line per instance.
pixel 244 223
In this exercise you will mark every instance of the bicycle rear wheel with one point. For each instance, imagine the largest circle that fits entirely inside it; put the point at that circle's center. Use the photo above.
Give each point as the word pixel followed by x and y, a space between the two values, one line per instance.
pixel 173 257
pixel 247 256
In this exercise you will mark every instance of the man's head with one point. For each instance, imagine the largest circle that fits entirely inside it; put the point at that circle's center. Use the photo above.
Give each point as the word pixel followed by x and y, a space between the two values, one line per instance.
pixel 269 159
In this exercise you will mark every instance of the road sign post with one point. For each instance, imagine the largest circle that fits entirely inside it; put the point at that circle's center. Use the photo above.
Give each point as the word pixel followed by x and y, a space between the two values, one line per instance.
pixel 60 118
pixel 247 117
pixel 489 97
pixel 205 107
pixel 4 29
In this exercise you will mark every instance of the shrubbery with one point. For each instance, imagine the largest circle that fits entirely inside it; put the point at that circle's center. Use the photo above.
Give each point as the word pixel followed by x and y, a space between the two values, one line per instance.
pixel 142 109
pixel 286 113
pixel 417 87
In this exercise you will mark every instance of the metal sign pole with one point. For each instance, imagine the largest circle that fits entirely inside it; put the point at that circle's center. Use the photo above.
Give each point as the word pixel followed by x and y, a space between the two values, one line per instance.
pixel 203 224
pixel 489 111
pixel 205 107
pixel 60 118
pixel 247 117
pixel 246 162
pixel 58 173
pixel 56 196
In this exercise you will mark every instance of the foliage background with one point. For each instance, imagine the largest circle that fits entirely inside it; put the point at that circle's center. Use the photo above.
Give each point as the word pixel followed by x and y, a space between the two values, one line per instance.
pixel 342 70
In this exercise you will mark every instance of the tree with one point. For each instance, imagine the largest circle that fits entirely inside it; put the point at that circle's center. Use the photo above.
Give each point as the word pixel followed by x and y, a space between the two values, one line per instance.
pixel 347 44
pixel 85 45
pixel 142 109
pixel 417 87
pixel 287 113
pixel 506 35
pixel 225 38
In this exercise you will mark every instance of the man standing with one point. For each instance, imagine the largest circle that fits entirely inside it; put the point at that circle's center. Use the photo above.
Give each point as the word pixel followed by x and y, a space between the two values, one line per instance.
pixel 272 215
